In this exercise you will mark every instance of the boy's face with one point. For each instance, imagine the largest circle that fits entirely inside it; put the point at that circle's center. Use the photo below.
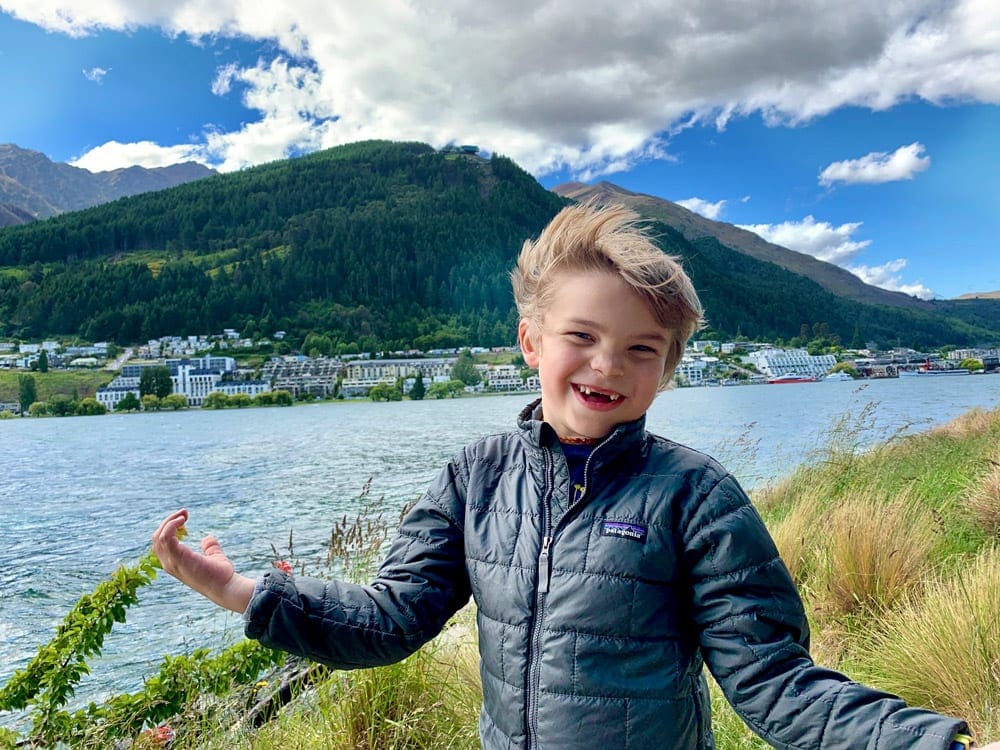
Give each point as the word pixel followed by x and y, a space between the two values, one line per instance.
pixel 599 351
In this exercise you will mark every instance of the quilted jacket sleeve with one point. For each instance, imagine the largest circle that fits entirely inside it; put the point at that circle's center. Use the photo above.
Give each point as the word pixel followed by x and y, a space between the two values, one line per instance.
pixel 754 638
pixel 421 583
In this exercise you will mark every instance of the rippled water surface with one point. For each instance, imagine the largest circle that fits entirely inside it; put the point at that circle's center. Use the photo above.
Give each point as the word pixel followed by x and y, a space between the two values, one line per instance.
pixel 80 496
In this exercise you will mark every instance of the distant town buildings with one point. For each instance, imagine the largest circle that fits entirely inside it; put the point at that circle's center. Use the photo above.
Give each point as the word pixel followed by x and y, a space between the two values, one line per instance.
pixel 194 378
pixel 195 374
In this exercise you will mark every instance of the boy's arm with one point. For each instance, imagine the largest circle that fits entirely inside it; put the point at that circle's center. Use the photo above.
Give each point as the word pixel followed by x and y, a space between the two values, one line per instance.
pixel 754 637
pixel 420 585
pixel 210 573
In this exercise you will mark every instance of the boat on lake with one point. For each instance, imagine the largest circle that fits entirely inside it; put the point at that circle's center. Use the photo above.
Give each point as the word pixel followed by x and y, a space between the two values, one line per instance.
pixel 792 377
pixel 932 370
pixel 835 376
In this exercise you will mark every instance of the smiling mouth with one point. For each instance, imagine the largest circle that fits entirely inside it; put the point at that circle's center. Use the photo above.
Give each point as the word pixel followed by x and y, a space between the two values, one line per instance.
pixel 595 395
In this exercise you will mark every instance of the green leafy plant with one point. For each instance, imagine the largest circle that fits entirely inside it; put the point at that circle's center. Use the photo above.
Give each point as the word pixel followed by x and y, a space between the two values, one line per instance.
pixel 47 683
pixel 50 678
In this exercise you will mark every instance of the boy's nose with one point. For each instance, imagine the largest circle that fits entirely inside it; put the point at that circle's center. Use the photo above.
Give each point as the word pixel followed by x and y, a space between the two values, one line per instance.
pixel 608 364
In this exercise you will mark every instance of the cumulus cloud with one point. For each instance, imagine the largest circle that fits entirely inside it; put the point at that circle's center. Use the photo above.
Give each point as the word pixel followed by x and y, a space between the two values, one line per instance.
pixel 887 276
pixel 902 164
pixel 817 238
pixel 115 155
pixel 590 87
pixel 705 208
pixel 835 244
pixel 96 74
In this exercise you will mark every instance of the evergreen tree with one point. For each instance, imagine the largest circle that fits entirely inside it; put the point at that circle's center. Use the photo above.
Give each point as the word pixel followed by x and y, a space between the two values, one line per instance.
pixel 26 392
pixel 857 342
pixel 155 381
pixel 43 361
pixel 419 390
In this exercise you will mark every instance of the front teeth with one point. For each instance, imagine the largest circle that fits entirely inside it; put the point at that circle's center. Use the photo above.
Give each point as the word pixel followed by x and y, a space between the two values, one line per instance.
pixel 586 390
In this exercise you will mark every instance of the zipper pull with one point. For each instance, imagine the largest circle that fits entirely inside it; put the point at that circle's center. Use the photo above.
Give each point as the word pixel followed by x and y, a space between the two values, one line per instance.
pixel 544 567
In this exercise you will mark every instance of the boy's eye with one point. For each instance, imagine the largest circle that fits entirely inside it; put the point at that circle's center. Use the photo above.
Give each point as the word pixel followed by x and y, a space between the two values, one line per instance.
pixel 581 335
pixel 643 349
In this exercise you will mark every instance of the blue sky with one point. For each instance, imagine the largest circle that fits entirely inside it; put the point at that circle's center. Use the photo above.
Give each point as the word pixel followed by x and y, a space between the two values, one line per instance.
pixel 867 136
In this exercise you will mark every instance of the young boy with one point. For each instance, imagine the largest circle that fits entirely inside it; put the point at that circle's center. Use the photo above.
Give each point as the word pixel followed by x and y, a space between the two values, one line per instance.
pixel 607 564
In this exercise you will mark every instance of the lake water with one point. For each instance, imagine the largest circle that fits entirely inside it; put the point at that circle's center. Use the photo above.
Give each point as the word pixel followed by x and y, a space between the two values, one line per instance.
pixel 80 496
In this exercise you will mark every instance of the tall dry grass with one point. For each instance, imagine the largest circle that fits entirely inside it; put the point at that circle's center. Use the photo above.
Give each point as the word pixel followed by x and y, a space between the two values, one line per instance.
pixel 983 498
pixel 874 553
pixel 430 700
pixel 942 648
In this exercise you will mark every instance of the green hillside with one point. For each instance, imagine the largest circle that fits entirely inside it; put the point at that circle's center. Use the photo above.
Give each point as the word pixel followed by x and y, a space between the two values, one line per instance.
pixel 372 245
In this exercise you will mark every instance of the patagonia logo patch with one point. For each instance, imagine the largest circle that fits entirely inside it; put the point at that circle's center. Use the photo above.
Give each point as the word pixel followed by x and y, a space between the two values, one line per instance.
pixel 625 530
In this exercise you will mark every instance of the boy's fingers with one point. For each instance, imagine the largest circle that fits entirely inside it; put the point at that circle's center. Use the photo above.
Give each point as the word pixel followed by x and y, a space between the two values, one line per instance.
pixel 210 546
pixel 168 527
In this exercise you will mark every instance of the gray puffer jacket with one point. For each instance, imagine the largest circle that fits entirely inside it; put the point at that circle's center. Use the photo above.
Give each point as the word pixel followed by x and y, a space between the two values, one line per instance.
pixel 595 614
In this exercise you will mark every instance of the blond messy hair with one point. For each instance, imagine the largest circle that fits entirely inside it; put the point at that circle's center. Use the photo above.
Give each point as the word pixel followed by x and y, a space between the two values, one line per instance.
pixel 588 237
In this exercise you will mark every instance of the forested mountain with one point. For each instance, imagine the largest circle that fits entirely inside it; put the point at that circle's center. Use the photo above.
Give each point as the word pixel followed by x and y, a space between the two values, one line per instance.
pixel 372 245
pixel 376 244
pixel 694 227
pixel 34 187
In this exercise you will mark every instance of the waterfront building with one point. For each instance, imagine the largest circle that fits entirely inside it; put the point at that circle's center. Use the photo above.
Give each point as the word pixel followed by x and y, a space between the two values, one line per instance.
pixel 775 362
pixel 221 365
pixel 110 395
pixel 250 388
pixel 195 383
pixel 361 375
pixel 691 370
pixel 504 378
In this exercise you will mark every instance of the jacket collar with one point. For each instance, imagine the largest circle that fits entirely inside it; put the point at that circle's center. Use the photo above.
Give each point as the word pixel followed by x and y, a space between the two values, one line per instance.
pixel 539 433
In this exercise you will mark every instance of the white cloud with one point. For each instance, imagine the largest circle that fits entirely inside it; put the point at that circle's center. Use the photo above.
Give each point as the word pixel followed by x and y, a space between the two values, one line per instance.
pixel 96 74
pixel 705 208
pixel 817 238
pixel 592 87
pixel 115 155
pixel 835 244
pixel 887 277
pixel 902 164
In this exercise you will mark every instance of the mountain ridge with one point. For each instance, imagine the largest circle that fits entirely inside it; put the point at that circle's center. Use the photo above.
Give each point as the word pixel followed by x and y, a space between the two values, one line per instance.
pixel 693 226
pixel 380 245
pixel 34 186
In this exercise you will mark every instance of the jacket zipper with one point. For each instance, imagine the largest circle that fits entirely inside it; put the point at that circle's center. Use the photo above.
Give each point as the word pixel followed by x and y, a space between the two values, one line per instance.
pixel 544 572
pixel 582 491
pixel 544 578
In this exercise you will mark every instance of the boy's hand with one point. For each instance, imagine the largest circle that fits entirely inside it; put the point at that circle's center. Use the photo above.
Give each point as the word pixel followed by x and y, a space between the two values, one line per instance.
pixel 210 573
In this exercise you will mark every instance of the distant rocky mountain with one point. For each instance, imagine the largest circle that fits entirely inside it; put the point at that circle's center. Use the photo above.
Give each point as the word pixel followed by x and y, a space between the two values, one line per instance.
pixel 11 215
pixel 694 226
pixel 32 186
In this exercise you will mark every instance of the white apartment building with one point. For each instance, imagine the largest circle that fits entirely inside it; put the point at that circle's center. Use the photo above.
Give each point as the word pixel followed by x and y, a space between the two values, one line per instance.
pixel 774 362
pixel 208 362
pixel 692 370
pixel 250 388
pixel 110 395
pixel 195 383
pixel 504 378
pixel 362 374
pixel 957 355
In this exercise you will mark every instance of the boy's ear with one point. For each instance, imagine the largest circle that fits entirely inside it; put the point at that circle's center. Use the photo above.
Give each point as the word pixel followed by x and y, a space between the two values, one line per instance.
pixel 525 339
